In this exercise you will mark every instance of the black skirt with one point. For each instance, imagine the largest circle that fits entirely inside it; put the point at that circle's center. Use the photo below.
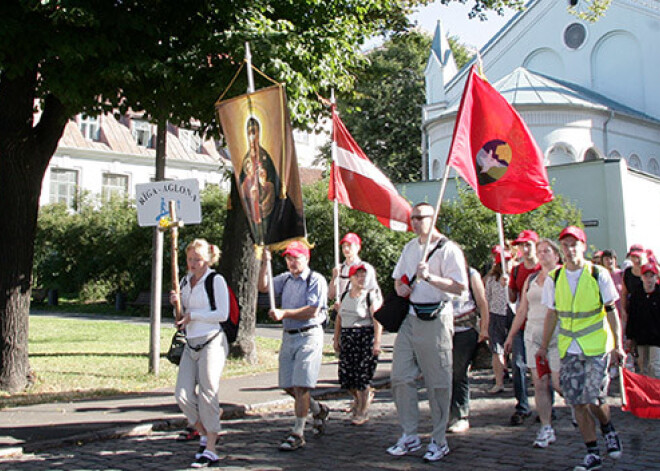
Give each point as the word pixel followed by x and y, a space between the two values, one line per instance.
pixel 357 363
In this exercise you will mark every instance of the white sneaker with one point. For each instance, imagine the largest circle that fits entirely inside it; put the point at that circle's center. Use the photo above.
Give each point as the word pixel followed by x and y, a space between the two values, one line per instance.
pixel 460 426
pixel 406 444
pixel 435 452
pixel 545 437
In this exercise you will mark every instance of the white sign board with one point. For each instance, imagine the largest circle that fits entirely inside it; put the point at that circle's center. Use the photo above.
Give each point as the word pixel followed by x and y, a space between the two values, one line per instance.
pixel 152 200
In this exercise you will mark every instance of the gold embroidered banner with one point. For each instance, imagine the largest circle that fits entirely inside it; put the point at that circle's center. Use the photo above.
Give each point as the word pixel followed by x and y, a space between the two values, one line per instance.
pixel 257 131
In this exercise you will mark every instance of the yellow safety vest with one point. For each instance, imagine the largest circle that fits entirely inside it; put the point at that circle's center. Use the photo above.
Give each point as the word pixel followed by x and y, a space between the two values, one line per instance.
pixel 581 317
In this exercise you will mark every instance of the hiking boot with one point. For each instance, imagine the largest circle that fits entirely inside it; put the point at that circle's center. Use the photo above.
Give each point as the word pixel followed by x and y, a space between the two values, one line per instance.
pixel 320 420
pixel 459 426
pixel 207 460
pixel 545 437
pixel 613 445
pixel 435 452
pixel 292 442
pixel 590 463
pixel 406 444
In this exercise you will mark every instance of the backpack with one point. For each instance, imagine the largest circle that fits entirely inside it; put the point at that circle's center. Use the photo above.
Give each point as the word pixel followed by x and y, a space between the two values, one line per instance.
pixel 230 326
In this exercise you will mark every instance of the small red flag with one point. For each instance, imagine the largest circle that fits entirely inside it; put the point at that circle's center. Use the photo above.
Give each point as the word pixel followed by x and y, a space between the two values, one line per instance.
pixel 494 152
pixel 642 395
pixel 357 183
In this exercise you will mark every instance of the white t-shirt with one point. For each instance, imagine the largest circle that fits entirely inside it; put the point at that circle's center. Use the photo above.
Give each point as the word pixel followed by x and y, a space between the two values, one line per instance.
pixel 195 300
pixel 607 288
pixel 447 262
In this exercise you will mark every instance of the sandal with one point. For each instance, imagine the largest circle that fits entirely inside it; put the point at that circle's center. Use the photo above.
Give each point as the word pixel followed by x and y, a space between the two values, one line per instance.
pixel 292 442
pixel 320 420
pixel 360 419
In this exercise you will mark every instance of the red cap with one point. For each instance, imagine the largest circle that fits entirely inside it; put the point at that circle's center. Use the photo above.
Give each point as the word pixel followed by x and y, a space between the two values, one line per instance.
pixel 296 249
pixel 355 268
pixel 498 255
pixel 351 238
pixel 649 267
pixel 637 250
pixel 526 236
pixel 575 232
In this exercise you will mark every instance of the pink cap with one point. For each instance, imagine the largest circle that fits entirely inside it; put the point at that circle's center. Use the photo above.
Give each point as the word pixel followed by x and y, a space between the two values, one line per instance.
pixel 637 250
pixel 526 236
pixel 351 238
pixel 296 249
pixel 575 232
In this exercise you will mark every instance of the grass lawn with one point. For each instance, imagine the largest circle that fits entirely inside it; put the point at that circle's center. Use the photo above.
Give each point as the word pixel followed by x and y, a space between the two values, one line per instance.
pixel 82 358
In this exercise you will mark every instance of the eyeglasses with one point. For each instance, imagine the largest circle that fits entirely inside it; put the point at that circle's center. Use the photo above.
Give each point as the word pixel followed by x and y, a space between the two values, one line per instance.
pixel 419 218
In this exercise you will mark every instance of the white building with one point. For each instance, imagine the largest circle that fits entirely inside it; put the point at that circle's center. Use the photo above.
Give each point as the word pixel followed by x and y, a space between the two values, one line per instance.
pixel 589 94
pixel 103 156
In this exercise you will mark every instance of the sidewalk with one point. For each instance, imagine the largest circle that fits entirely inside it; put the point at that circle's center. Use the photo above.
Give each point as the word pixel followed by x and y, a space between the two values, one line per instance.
pixel 43 426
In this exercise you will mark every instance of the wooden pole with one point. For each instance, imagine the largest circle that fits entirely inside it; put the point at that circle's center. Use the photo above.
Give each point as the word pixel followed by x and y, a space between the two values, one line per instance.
pixel 174 225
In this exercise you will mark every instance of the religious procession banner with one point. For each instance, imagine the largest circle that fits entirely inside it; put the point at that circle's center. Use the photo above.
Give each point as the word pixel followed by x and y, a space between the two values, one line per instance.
pixel 257 131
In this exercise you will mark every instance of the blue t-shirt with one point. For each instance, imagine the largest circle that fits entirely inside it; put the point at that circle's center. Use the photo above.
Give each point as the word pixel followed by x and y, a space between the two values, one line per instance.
pixel 308 289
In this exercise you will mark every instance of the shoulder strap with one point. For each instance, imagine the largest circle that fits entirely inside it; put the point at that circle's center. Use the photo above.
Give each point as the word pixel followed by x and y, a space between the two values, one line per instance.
pixel 555 274
pixel 531 278
pixel 595 272
pixel 441 243
pixel 208 285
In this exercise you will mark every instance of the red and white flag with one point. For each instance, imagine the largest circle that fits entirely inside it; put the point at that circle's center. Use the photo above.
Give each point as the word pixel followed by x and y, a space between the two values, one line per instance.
pixel 357 183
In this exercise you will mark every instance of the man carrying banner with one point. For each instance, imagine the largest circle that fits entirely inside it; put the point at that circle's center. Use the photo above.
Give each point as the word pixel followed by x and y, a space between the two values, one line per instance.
pixel 304 301
pixel 424 342
pixel 581 297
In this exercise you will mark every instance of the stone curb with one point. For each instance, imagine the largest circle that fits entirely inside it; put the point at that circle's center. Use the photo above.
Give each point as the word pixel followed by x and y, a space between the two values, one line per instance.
pixel 231 412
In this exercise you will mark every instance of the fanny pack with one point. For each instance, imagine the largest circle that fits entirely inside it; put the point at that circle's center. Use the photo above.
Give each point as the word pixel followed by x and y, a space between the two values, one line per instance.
pixel 428 311
pixel 469 319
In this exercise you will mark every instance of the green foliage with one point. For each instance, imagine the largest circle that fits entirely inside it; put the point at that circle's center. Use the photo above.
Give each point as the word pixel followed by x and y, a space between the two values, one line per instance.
pixel 590 10
pixel 100 250
pixel 472 225
pixel 462 54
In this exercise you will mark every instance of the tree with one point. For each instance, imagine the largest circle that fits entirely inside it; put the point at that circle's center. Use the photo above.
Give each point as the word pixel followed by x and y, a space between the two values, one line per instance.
pixel 69 57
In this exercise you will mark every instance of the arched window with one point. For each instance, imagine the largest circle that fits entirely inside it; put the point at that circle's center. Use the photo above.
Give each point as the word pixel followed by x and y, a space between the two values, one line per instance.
pixel 591 154
pixel 561 153
pixel 436 171
pixel 635 162
pixel 653 166
pixel 615 155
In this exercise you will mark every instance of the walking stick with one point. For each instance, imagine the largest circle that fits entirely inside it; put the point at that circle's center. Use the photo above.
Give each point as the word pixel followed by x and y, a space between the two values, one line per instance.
pixel 173 225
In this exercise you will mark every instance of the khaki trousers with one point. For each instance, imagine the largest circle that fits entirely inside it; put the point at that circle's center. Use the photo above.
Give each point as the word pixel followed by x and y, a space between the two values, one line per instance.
pixel 423 347
pixel 198 383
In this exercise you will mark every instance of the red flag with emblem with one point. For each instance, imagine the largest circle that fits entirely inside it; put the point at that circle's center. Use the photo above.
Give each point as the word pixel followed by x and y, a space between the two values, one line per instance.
pixel 357 183
pixel 495 153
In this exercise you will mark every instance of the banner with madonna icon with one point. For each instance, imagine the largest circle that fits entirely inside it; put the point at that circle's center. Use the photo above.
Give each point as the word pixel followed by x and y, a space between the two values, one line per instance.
pixel 258 134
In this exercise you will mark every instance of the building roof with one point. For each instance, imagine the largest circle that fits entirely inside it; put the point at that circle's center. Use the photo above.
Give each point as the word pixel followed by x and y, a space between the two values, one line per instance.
pixel 523 87
pixel 115 136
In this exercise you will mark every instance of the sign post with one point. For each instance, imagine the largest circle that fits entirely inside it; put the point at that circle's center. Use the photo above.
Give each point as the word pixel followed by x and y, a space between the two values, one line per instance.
pixel 175 203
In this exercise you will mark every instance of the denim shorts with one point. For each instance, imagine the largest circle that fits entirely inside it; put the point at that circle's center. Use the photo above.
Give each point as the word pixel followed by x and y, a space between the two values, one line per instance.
pixel 300 358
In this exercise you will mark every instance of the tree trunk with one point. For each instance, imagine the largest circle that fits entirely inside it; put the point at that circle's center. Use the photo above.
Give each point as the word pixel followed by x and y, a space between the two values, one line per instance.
pixel 240 269
pixel 25 151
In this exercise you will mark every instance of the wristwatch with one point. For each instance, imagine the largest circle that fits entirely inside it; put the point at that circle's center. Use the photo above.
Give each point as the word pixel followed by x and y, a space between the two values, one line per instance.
pixel 428 278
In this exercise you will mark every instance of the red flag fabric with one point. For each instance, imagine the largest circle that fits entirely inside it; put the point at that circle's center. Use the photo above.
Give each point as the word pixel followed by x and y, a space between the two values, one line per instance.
pixel 494 152
pixel 642 395
pixel 357 183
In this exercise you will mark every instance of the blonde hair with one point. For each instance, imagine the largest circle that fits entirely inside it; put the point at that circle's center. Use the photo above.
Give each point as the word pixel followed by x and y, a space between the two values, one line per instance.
pixel 210 252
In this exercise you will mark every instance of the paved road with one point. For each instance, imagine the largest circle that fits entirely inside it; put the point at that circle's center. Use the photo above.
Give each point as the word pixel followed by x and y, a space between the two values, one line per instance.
pixel 251 443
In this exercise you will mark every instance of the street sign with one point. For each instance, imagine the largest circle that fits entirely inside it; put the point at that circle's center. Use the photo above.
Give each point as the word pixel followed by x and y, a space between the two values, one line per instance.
pixel 152 200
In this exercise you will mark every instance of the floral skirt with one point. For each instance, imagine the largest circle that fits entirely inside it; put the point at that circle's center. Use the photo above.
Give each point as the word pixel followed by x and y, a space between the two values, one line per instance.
pixel 357 363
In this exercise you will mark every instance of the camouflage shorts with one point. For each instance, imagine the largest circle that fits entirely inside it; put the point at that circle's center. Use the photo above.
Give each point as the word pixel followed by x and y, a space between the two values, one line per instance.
pixel 584 380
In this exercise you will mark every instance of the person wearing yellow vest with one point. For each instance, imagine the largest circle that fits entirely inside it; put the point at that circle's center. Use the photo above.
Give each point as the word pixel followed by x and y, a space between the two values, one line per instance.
pixel 581 296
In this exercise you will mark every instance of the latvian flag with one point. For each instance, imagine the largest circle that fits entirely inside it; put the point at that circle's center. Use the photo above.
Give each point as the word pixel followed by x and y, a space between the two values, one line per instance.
pixel 358 184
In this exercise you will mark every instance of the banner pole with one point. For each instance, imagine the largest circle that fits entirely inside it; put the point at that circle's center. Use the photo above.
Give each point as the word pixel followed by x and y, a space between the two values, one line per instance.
pixel 250 76
pixel 335 207
pixel 500 233
pixel 436 213
pixel 622 386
